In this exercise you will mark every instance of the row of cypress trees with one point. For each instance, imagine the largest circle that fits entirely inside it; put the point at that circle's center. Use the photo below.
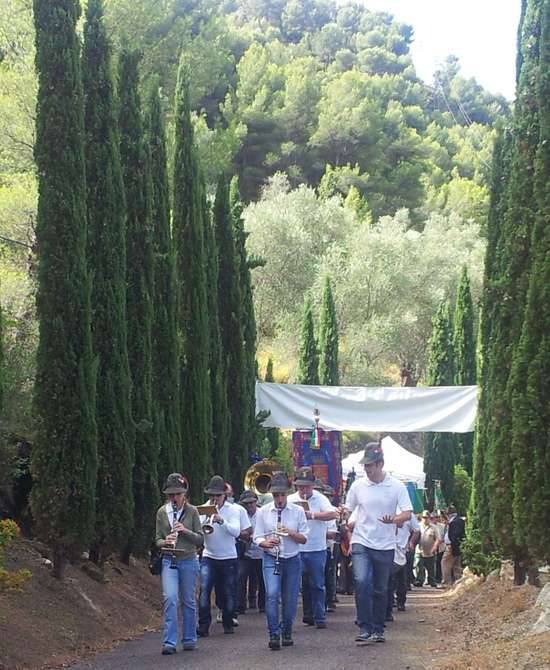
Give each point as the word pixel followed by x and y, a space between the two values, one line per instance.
pixel 511 496
pixel 451 361
pixel 146 316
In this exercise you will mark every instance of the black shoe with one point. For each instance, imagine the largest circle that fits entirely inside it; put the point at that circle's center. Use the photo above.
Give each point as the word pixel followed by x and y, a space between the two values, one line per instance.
pixel 363 637
pixel 287 640
pixel 202 632
pixel 378 637
pixel 401 608
pixel 321 625
pixel 331 607
pixel 274 642
pixel 308 621
pixel 168 650
pixel 228 630
pixel 262 610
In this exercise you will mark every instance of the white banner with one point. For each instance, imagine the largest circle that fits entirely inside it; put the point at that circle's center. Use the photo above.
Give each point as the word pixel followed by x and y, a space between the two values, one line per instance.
pixel 402 409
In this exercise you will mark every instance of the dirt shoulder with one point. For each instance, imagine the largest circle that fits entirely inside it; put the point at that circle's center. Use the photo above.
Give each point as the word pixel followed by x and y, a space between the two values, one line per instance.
pixel 49 622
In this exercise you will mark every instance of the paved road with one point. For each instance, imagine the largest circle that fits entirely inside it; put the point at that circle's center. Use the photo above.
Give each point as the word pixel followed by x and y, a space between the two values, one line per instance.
pixel 330 649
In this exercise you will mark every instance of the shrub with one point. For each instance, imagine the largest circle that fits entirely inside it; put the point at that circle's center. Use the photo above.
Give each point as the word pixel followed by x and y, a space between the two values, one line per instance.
pixel 10 580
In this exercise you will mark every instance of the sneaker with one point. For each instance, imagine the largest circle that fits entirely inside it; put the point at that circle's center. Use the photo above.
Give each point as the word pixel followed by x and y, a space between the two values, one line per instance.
pixel 189 647
pixel 378 637
pixel 168 650
pixel 331 607
pixel 219 617
pixel 401 608
pixel 274 642
pixel 308 621
pixel 363 637
pixel 235 622
pixel 287 640
pixel 321 625
pixel 202 632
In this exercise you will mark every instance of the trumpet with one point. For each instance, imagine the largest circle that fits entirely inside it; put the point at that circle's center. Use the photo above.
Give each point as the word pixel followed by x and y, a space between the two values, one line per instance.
pixel 209 511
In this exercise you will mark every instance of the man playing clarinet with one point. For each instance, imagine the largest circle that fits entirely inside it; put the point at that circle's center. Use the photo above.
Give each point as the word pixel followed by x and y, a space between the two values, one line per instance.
pixel 281 528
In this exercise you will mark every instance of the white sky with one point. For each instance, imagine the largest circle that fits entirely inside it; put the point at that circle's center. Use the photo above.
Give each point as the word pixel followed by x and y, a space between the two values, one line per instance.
pixel 482 33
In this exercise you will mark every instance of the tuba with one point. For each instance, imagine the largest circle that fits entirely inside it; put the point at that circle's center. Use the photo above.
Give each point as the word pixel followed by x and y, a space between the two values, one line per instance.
pixel 258 478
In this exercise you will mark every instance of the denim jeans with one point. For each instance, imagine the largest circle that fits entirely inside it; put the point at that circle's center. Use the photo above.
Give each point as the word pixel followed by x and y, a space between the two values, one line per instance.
pixel 251 582
pixel 285 586
pixel 371 573
pixel 178 587
pixel 222 575
pixel 313 584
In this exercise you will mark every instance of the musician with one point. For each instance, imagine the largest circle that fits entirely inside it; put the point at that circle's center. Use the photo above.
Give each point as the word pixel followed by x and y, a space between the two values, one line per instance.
pixel 314 554
pixel 219 558
pixel 178 525
pixel 281 559
pixel 251 580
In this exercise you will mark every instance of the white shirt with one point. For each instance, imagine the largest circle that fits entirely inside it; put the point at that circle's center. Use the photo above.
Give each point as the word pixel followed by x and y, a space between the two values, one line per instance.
pixel 243 516
pixel 293 517
pixel 402 539
pixel 221 543
pixel 373 501
pixel 317 538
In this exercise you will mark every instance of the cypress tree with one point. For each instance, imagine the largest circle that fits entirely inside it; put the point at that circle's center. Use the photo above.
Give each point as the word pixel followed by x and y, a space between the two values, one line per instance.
pixel 2 361
pixel 165 354
pixel 439 448
pixel 308 364
pixel 231 328
pixel 272 434
pixel 138 187
pixel 107 261
pixel 64 458
pixel 464 347
pixel 245 266
pixel 221 426
pixel 530 378
pixel 192 299
pixel 328 339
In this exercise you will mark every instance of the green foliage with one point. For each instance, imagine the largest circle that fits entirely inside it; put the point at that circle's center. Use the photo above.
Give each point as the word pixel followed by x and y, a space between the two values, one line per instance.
pixel 64 458
pixel 10 581
pixel 137 176
pixel 476 556
pixel 308 364
pixel 328 339
pixel 272 434
pixel 462 489
pixel 106 253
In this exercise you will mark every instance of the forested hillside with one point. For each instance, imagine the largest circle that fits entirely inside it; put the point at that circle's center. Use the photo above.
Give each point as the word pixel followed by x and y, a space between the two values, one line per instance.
pixel 349 165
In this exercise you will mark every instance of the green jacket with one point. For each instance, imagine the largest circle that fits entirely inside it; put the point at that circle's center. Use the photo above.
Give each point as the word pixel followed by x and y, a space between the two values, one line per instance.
pixel 187 542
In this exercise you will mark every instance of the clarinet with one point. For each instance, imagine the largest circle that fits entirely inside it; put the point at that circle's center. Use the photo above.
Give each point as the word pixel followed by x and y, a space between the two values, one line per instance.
pixel 277 566
pixel 173 561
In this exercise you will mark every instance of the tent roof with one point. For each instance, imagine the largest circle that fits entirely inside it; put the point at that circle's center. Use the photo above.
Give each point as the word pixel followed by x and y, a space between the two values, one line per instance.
pixel 398 462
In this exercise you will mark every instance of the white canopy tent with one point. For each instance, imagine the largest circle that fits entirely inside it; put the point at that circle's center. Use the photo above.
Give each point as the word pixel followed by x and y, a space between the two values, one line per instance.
pixel 398 462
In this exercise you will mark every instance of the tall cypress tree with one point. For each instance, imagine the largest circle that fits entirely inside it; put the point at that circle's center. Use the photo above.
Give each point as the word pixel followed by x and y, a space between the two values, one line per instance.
pixel 530 377
pixel 272 434
pixel 231 328
pixel 192 299
pixel 64 459
pixel 2 361
pixel 464 349
pixel 138 186
pixel 165 354
pixel 221 426
pixel 308 364
pixel 245 266
pixel 107 261
pixel 328 339
pixel 439 448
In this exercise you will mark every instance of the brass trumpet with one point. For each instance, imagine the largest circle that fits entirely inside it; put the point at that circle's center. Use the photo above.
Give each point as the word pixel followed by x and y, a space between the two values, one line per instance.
pixel 208 511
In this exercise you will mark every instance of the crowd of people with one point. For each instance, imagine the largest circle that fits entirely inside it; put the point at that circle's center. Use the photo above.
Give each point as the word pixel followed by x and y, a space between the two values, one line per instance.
pixel 262 557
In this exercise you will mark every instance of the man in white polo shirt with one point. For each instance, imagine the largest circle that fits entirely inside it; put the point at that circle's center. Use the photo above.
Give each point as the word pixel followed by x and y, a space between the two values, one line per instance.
pixel 374 499
pixel 314 553
pixel 219 557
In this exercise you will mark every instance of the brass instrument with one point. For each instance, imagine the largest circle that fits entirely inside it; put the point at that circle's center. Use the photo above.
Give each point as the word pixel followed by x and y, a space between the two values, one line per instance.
pixel 280 533
pixel 208 511
pixel 258 477
pixel 303 504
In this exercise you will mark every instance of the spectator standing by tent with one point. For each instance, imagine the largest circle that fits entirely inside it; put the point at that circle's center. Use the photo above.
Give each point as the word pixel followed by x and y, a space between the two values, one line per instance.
pixel 452 566
pixel 429 541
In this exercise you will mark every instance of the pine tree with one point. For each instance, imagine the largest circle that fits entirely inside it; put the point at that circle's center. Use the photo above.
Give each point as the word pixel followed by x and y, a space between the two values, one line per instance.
pixel 308 364
pixel 272 434
pixel 138 187
pixel 231 328
pixel 464 349
pixel 165 353
pixel 439 448
pixel 192 300
pixel 328 339
pixel 248 322
pixel 106 207
pixel 530 377
pixel 221 426
pixel 64 459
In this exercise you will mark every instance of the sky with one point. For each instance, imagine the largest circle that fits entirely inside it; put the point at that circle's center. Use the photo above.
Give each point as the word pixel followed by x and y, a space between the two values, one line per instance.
pixel 482 33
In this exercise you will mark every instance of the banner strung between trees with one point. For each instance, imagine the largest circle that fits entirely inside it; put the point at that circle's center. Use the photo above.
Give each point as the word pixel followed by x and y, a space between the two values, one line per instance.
pixel 442 409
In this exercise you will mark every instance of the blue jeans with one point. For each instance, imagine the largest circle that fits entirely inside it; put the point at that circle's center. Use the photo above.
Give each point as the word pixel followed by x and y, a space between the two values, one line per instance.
pixel 178 587
pixel 223 575
pixel 371 574
pixel 313 584
pixel 285 586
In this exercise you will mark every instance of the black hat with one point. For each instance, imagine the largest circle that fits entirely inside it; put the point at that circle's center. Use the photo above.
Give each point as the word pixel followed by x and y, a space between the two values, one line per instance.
pixel 175 483
pixel 216 486
pixel 279 483
pixel 373 453
pixel 304 477
pixel 248 496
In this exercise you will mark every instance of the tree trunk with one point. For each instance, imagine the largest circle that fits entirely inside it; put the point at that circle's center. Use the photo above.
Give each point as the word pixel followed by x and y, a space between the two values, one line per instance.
pixel 59 562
